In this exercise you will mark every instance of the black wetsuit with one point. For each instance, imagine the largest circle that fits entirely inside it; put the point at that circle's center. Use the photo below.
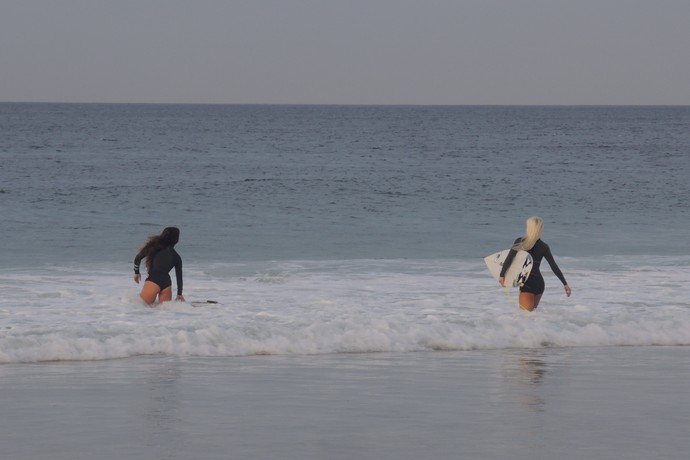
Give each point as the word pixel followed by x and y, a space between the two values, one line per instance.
pixel 161 264
pixel 535 281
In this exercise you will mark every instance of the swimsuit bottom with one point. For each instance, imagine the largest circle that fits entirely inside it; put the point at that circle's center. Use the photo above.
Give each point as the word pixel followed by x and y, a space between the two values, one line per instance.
pixel 534 284
pixel 161 279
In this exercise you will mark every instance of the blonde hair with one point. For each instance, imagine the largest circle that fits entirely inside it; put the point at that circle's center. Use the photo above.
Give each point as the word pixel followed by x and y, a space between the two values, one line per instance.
pixel 533 231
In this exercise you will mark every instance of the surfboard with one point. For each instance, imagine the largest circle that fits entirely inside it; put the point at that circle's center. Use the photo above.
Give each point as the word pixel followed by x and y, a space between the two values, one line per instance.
pixel 519 269
pixel 204 303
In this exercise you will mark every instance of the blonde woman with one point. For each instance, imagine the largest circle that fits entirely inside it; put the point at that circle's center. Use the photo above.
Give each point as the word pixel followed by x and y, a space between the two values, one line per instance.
pixel 532 290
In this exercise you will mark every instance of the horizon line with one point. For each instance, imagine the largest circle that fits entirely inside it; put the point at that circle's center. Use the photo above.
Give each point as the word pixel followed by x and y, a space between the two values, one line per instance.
pixel 340 104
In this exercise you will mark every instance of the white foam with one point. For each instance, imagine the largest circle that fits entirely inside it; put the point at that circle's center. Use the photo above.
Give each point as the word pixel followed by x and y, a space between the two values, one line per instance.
pixel 94 313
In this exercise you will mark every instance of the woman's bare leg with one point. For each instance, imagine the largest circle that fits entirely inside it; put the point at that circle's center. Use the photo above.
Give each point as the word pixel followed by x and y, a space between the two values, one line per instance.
pixel 165 295
pixel 537 299
pixel 529 301
pixel 149 292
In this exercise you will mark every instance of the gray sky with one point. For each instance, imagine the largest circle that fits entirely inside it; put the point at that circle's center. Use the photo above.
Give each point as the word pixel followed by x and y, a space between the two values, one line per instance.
pixel 346 51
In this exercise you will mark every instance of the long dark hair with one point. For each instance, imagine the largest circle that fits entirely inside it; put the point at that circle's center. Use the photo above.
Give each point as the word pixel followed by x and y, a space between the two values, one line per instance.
pixel 168 238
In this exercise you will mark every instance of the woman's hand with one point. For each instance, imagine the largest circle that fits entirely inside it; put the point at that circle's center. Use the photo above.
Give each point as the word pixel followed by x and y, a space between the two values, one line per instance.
pixel 567 290
pixel 502 281
pixel 137 277
pixel 179 298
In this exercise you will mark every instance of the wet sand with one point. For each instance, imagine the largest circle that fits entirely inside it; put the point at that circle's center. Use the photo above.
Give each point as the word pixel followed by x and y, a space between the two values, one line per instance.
pixel 623 403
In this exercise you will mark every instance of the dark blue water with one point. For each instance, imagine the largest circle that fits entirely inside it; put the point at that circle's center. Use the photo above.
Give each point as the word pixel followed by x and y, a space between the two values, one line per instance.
pixel 90 182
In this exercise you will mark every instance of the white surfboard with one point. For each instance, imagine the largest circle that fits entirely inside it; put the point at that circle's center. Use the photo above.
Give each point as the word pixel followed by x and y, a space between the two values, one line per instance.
pixel 519 269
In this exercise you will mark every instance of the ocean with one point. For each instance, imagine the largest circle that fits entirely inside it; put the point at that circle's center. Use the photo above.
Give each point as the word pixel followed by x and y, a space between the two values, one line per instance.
pixel 344 245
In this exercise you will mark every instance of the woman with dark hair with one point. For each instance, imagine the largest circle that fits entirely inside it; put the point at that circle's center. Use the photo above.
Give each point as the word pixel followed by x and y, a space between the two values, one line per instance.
pixel 160 257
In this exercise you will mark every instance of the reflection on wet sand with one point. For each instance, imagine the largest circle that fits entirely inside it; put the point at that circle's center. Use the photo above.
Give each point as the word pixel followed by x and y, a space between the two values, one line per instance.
pixel 525 371
pixel 161 408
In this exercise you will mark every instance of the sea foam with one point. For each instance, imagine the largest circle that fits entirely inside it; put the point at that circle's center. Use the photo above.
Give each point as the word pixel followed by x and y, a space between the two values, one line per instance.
pixel 324 307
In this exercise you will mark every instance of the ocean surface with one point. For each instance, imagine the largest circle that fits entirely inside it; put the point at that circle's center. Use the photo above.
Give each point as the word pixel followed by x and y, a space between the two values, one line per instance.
pixel 341 236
